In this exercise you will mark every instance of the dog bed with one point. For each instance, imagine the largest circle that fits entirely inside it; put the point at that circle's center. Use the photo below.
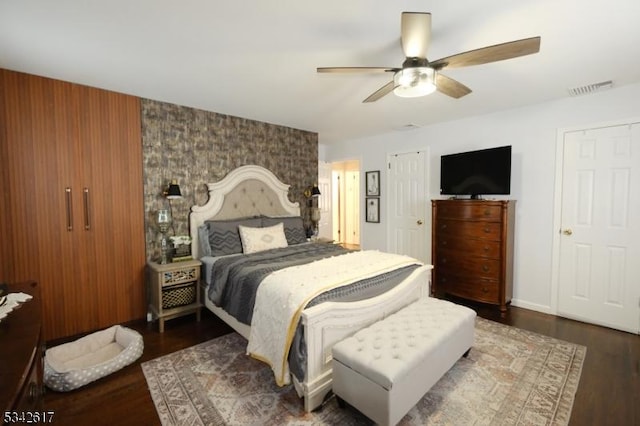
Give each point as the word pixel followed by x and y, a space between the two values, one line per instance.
pixel 75 364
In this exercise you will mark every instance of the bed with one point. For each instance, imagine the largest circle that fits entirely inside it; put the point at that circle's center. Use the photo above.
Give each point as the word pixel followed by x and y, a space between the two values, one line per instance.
pixel 255 197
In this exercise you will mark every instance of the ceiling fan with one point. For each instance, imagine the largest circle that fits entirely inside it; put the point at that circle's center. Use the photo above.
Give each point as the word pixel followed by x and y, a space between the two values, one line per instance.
pixel 419 77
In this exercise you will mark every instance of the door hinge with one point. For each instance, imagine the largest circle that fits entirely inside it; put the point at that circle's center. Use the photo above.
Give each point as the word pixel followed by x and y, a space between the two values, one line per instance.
pixel 389 164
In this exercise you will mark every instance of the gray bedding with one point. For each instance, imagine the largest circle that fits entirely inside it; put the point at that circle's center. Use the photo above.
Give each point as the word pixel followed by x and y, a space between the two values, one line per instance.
pixel 235 279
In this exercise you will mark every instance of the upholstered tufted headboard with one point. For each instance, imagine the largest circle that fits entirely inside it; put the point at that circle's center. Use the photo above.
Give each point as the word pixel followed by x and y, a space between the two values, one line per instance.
pixel 246 191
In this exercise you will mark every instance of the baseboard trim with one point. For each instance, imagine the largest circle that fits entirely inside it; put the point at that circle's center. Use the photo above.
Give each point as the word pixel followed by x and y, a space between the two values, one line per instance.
pixel 533 306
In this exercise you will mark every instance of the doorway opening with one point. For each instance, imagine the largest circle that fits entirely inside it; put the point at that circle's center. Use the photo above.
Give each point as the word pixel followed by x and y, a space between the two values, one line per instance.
pixel 345 184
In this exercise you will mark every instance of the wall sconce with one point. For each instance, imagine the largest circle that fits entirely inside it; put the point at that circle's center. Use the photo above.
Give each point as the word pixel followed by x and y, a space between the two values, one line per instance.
pixel 312 191
pixel 172 191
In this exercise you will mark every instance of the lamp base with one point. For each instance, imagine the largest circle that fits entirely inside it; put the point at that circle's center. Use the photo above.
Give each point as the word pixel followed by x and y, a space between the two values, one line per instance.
pixel 166 250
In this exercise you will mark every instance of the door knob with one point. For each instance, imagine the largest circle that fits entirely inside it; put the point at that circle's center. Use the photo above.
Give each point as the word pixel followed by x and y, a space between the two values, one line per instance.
pixel 567 231
pixel 419 222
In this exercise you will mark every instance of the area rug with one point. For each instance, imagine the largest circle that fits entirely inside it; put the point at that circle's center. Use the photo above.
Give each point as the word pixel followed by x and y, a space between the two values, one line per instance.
pixel 511 377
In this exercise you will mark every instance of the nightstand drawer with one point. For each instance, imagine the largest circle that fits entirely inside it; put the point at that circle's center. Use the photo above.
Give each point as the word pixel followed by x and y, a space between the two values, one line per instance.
pixel 179 295
pixel 180 276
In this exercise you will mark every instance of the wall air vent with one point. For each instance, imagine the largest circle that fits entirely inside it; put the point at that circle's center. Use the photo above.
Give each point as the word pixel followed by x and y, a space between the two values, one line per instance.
pixel 590 88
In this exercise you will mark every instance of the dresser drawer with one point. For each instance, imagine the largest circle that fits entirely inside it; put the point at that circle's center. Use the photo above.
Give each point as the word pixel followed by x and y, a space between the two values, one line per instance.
pixel 477 247
pixel 455 228
pixel 478 289
pixel 470 210
pixel 449 262
pixel 30 398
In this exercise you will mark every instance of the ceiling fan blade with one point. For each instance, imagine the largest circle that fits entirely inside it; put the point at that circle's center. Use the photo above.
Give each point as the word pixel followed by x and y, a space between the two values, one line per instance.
pixel 451 87
pixel 384 90
pixel 356 69
pixel 415 34
pixel 498 52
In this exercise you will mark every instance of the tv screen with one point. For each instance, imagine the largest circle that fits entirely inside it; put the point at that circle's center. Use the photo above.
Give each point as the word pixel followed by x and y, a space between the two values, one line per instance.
pixel 476 173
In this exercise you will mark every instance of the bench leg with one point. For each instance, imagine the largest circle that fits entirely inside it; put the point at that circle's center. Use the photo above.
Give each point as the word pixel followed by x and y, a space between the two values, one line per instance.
pixel 326 399
pixel 341 402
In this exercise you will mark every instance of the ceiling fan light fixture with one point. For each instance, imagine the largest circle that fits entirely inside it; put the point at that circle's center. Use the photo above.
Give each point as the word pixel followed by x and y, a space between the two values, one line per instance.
pixel 414 82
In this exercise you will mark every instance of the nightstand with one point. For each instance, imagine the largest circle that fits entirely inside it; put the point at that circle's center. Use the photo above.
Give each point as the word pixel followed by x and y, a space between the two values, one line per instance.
pixel 173 290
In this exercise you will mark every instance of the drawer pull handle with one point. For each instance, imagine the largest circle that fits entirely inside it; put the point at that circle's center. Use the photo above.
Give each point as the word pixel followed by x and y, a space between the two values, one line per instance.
pixel 487 212
pixel 443 226
pixel 485 268
pixel 444 260
pixel 486 248
pixel 487 230
pixel 485 290
pixel 34 392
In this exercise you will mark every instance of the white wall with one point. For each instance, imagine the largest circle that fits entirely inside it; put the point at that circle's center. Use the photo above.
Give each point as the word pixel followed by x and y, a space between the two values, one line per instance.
pixel 532 132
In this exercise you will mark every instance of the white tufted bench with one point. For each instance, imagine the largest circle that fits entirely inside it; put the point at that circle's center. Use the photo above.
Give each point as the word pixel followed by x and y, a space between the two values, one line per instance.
pixel 386 368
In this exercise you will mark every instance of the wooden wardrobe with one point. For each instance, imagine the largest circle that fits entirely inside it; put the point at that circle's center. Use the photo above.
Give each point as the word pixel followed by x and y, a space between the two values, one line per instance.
pixel 73 200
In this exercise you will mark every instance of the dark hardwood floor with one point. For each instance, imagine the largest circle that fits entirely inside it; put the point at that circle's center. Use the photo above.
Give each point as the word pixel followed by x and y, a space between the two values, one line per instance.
pixel 608 394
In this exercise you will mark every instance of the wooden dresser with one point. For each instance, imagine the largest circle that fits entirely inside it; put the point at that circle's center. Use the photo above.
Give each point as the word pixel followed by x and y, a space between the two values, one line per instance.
pixel 472 250
pixel 21 354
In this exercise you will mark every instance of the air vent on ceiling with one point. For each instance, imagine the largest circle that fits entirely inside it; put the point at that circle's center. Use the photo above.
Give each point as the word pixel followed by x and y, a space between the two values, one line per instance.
pixel 591 88
pixel 409 126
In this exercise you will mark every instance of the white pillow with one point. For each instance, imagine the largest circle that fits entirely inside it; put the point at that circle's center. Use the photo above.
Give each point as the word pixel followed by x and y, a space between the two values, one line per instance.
pixel 260 239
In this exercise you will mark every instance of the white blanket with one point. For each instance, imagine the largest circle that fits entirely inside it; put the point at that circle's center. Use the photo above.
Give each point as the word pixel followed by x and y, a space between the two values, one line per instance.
pixel 283 295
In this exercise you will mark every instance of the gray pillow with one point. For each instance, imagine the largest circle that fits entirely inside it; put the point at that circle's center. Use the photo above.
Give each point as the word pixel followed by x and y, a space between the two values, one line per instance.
pixel 203 241
pixel 293 228
pixel 224 237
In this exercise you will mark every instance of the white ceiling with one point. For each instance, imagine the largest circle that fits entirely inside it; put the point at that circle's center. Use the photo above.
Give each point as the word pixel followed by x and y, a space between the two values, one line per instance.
pixel 257 58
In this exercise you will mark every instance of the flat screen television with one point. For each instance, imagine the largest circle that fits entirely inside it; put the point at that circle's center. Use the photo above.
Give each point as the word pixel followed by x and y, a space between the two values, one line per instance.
pixel 476 173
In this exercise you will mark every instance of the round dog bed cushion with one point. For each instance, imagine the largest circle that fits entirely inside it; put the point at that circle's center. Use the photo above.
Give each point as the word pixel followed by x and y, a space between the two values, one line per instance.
pixel 75 364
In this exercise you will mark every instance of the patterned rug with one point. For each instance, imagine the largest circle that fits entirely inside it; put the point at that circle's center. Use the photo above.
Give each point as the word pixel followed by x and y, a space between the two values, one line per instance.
pixel 511 377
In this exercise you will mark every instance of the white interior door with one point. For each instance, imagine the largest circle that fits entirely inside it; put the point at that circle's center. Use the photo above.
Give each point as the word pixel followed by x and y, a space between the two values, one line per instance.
pixel 324 202
pixel 407 201
pixel 599 255
pixel 352 207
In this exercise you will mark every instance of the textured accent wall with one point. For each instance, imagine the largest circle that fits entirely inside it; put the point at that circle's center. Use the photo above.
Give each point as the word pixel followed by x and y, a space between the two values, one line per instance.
pixel 196 147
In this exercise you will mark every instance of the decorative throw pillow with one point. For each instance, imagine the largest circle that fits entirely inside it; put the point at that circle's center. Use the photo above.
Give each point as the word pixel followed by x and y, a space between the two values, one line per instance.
pixel 293 228
pixel 204 249
pixel 260 239
pixel 224 237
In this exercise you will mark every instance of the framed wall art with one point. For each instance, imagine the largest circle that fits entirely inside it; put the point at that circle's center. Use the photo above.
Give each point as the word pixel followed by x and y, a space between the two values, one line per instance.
pixel 373 183
pixel 373 210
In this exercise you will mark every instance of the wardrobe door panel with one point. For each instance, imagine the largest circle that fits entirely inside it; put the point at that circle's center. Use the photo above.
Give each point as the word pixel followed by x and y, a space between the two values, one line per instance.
pixel 41 129
pixel 74 214
pixel 114 212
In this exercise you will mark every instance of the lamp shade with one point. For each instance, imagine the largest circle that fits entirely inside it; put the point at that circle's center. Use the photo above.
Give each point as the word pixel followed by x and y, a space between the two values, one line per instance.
pixel 315 191
pixel 173 191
